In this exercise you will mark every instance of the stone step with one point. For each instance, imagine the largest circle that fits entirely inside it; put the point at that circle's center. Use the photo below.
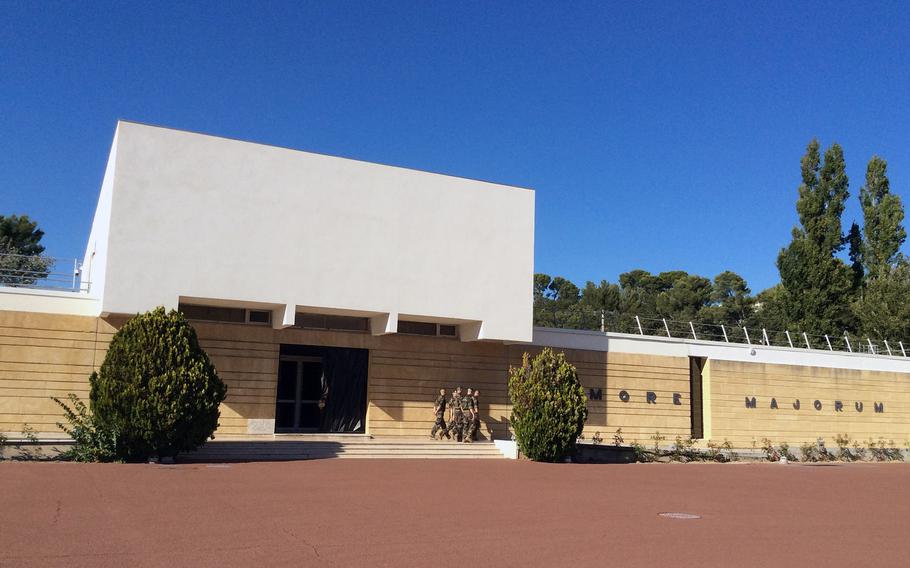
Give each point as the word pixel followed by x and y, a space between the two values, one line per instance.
pixel 284 450
pixel 297 457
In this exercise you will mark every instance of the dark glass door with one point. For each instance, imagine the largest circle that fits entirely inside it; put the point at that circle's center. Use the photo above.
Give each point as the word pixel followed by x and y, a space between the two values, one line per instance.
pixel 301 394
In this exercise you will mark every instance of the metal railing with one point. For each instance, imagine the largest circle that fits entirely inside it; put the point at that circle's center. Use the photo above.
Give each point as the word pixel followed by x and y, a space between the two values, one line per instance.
pixel 42 273
pixel 757 336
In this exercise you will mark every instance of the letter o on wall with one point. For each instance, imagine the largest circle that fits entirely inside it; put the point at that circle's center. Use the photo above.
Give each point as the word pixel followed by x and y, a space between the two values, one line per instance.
pixel 817 404
pixel 624 396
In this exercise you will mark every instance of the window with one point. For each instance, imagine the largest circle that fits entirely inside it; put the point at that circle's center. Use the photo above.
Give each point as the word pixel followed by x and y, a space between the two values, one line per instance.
pixel 416 328
pixel 227 315
pixel 213 313
pixel 328 322
pixel 426 328
pixel 263 317
pixel 448 330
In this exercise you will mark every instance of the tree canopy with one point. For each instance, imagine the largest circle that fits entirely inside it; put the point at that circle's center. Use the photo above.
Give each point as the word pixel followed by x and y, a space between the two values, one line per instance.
pixel 21 260
pixel 823 289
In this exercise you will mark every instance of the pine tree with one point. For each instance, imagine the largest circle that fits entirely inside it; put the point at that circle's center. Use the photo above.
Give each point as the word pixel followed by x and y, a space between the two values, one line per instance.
pixel 818 286
pixel 883 214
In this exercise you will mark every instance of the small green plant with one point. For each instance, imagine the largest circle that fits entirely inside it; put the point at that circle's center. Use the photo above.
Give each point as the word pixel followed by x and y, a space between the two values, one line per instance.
pixel 809 452
pixel 893 452
pixel 714 453
pixel 657 438
pixel 877 450
pixel 596 439
pixel 727 447
pixel 641 454
pixel 859 451
pixel 771 453
pixel 784 451
pixel 683 449
pixel 617 437
pixel 30 449
pixel 823 453
pixel 843 448
pixel 90 443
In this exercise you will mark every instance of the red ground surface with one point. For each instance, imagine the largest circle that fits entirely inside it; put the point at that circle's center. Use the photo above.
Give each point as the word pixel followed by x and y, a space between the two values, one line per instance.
pixel 453 513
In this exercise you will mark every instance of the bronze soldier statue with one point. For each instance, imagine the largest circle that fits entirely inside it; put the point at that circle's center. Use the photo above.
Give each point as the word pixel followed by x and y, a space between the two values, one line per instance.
pixel 439 408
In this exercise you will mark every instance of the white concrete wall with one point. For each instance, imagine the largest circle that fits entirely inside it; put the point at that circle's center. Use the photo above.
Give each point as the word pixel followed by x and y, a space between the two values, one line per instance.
pixel 679 347
pixel 94 263
pixel 48 302
pixel 211 218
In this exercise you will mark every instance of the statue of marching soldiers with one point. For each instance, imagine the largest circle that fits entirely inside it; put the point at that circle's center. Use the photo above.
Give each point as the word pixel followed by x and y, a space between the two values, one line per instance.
pixel 464 418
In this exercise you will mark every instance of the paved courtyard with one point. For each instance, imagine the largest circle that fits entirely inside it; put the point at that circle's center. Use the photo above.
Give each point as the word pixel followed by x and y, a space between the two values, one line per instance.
pixel 453 513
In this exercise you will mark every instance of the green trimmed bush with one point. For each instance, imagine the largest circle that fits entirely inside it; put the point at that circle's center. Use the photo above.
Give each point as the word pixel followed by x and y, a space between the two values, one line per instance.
pixel 156 393
pixel 549 407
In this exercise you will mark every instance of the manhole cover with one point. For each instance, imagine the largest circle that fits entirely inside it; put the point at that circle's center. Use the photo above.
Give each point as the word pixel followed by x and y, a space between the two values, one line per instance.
pixel 679 515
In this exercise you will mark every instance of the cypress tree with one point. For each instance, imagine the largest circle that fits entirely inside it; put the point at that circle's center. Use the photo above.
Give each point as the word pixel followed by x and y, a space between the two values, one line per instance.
pixel 855 242
pixel 883 214
pixel 818 286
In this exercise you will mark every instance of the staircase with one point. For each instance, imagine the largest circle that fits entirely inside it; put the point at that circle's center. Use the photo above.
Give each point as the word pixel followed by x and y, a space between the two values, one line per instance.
pixel 303 447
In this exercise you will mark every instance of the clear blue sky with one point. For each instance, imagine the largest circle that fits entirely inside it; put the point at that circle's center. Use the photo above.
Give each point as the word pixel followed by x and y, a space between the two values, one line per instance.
pixel 658 136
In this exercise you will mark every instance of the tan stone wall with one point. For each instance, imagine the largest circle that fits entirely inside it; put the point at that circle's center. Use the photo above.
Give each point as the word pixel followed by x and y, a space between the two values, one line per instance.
pixel 405 374
pixel 637 375
pixel 42 356
pixel 45 355
pixel 732 382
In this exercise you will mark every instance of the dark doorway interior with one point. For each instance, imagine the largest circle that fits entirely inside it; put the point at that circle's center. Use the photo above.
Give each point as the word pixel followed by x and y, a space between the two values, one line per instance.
pixel 696 366
pixel 321 389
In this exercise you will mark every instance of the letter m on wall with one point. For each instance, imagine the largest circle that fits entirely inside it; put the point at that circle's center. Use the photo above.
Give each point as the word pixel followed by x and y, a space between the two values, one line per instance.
pixel 750 402
pixel 595 394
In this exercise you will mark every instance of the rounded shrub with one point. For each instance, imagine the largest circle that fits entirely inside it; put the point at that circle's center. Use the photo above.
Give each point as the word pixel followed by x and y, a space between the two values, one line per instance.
pixel 156 392
pixel 549 407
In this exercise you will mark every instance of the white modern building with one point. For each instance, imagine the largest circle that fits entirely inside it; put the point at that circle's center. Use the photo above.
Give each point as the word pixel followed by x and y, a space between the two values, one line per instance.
pixel 335 295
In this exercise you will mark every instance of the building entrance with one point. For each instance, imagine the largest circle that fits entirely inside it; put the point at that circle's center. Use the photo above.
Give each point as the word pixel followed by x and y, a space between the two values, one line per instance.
pixel 321 389
pixel 301 394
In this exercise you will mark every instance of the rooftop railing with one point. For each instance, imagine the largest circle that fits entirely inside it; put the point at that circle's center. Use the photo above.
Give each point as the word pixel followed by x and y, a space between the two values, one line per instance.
pixel 42 273
pixel 757 336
